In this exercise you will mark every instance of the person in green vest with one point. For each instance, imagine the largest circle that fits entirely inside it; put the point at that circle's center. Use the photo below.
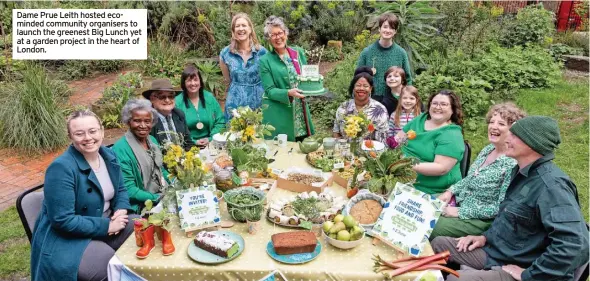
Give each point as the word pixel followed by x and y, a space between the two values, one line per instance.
pixel 204 117
pixel 139 155
pixel 286 108
pixel 385 53
pixel 479 194
pixel 437 141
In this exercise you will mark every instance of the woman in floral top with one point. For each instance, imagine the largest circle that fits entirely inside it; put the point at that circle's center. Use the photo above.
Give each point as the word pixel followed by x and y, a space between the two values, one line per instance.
pixel 478 196
pixel 361 89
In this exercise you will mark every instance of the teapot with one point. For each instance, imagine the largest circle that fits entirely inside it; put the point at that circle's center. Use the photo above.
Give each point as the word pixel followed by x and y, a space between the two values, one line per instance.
pixel 309 145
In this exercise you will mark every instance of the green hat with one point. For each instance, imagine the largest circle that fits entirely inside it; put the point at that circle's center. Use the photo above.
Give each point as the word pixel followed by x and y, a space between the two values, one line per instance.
pixel 540 133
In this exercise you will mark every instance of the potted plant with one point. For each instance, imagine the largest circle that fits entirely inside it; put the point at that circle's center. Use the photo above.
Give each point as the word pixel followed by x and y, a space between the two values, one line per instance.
pixel 151 223
pixel 253 217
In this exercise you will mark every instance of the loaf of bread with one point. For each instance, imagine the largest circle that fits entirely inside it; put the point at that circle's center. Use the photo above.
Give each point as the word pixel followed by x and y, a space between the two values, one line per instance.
pixel 295 242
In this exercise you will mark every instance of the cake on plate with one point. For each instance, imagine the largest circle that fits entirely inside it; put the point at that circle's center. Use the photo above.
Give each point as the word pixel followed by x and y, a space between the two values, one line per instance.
pixel 310 82
pixel 216 244
pixel 295 242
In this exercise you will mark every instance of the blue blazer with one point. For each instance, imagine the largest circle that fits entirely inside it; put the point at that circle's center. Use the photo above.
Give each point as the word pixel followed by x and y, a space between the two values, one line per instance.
pixel 71 214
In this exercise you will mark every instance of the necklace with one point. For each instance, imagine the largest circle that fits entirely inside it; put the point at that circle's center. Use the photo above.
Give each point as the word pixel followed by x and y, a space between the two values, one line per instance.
pixel 200 124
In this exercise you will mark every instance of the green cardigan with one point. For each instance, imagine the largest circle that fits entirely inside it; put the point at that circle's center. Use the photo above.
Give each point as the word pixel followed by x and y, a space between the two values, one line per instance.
pixel 132 174
pixel 275 80
pixel 211 116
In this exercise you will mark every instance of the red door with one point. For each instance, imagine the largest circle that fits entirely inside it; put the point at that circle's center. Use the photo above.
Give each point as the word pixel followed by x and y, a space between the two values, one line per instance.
pixel 563 16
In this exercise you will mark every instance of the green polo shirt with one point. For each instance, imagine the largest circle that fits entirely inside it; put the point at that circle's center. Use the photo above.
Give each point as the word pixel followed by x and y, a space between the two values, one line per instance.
pixel 446 141
pixel 211 116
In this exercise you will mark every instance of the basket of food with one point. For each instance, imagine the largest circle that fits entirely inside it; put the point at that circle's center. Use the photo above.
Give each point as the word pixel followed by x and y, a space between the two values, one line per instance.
pixel 244 202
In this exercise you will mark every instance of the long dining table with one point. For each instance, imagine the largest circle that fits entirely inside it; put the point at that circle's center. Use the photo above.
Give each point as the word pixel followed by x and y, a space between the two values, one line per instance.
pixel 254 263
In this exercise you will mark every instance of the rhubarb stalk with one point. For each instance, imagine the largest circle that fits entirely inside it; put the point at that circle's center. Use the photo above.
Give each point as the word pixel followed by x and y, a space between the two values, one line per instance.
pixel 420 263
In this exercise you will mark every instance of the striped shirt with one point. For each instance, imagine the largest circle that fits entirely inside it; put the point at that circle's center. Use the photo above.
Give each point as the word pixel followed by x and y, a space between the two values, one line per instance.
pixel 404 119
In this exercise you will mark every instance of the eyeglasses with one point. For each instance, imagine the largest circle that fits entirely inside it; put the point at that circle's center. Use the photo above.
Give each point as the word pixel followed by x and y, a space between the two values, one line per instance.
pixel 164 97
pixel 441 105
pixel 277 35
pixel 366 87
pixel 92 132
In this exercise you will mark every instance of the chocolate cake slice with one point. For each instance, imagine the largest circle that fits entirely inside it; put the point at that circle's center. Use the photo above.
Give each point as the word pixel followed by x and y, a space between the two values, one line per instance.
pixel 295 242
pixel 216 244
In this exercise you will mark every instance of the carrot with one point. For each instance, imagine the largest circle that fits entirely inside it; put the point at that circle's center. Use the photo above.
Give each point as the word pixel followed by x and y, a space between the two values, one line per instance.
pixel 420 263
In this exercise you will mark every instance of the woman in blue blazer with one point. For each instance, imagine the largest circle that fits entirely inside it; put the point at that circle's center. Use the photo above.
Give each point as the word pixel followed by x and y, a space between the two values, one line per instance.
pixel 83 220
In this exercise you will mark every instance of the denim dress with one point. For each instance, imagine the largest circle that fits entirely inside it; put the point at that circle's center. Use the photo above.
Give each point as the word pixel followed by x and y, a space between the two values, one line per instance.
pixel 245 88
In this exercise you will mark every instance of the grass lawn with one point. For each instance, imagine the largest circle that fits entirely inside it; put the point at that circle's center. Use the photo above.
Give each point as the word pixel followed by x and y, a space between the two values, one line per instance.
pixel 567 102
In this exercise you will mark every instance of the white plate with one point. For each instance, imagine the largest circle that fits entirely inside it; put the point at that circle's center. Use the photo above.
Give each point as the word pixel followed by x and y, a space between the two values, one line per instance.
pixel 378 146
pixel 222 137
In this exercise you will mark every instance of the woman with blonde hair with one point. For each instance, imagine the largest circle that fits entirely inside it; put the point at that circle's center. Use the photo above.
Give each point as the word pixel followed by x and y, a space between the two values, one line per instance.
pixel 239 64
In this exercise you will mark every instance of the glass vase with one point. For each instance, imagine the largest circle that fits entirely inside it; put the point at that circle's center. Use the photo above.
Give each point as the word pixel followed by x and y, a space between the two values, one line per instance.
pixel 355 146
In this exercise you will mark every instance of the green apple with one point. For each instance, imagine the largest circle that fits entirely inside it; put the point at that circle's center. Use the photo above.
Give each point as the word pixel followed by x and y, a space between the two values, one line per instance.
pixel 343 235
pixel 338 218
pixel 356 233
pixel 338 227
pixel 332 235
pixel 327 225
pixel 349 221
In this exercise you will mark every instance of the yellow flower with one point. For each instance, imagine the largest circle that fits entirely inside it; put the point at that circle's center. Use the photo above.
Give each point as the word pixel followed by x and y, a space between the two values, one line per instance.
pixel 249 131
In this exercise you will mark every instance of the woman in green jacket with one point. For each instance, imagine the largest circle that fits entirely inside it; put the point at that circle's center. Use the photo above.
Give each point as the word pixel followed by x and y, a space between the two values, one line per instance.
pixel 139 155
pixel 204 117
pixel 286 109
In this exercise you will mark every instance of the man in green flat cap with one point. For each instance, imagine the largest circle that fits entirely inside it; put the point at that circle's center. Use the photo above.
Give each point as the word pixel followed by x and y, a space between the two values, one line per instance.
pixel 539 233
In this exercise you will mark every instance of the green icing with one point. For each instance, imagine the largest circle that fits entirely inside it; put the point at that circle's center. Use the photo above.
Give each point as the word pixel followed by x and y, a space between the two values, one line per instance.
pixel 233 250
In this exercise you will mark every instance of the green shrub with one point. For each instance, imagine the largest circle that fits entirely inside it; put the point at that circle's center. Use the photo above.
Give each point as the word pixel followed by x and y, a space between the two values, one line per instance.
pixel 107 65
pixel 30 113
pixel 573 39
pixel 558 50
pixel 109 106
pixel 165 60
pixel 212 78
pixel 489 77
pixel 533 24
pixel 338 20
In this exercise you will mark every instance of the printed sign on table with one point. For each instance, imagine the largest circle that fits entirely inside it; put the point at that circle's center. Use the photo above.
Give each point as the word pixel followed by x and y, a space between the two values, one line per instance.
pixel 198 208
pixel 408 218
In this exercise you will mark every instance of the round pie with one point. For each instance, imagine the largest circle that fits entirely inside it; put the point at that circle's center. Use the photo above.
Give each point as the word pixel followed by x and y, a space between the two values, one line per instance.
pixel 366 211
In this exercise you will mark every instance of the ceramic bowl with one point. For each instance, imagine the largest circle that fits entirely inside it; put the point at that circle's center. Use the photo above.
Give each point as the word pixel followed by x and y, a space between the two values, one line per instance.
pixel 344 244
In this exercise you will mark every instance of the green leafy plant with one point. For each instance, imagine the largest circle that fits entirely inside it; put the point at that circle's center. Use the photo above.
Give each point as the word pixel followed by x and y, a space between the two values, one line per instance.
pixel 165 60
pixel 558 50
pixel 110 105
pixel 416 19
pixel 364 39
pixel 533 24
pixel 388 169
pixel 212 78
pixel 573 39
pixel 32 118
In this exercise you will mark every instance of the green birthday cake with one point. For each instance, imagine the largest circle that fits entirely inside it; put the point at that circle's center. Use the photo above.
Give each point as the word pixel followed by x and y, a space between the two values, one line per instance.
pixel 310 82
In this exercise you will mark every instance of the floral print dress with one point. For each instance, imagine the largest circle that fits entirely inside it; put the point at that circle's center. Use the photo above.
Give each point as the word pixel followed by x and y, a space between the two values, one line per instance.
pixel 300 128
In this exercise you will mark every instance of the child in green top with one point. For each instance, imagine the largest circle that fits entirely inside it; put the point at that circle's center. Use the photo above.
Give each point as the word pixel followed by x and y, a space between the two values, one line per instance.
pixel 438 143
pixel 385 53
pixel 204 117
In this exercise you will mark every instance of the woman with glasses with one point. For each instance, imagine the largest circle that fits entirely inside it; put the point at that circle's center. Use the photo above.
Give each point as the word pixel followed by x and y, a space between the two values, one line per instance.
pixel 239 63
pixel 139 155
pixel 83 220
pixel 479 194
pixel 204 117
pixel 361 89
pixel 438 143
pixel 170 123
pixel 286 109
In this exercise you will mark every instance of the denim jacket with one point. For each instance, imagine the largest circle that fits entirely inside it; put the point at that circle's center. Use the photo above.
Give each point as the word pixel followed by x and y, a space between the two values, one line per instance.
pixel 540 226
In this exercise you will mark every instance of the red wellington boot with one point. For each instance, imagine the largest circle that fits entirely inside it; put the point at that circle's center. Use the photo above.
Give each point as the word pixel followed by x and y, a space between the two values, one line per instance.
pixel 147 236
pixel 167 245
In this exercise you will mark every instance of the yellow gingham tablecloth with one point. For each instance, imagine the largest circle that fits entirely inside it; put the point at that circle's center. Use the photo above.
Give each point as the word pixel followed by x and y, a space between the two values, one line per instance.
pixel 254 263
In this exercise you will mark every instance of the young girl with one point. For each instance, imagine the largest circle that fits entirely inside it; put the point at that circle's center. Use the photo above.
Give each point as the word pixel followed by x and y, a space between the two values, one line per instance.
pixel 408 107
pixel 395 78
